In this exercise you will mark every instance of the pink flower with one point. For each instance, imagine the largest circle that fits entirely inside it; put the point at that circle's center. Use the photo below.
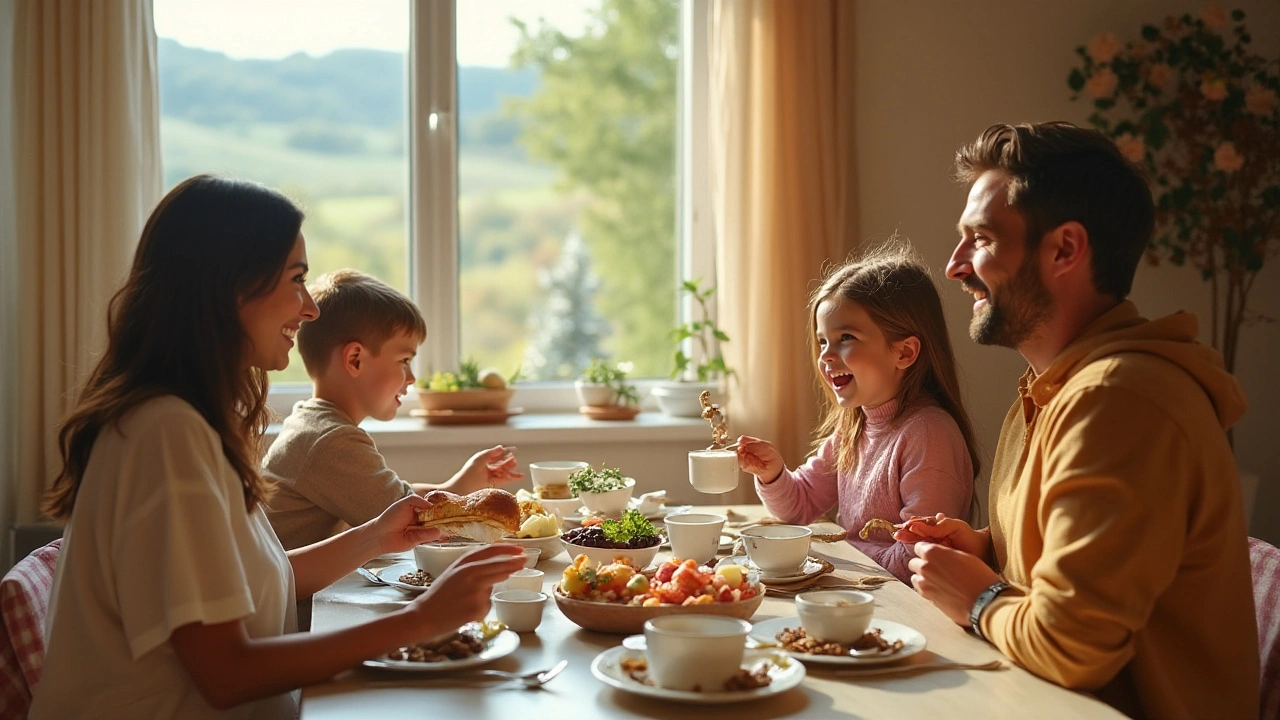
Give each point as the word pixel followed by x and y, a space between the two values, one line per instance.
pixel 1214 16
pixel 1159 75
pixel 1213 89
pixel 1132 147
pixel 1226 159
pixel 1103 47
pixel 1260 100
pixel 1102 84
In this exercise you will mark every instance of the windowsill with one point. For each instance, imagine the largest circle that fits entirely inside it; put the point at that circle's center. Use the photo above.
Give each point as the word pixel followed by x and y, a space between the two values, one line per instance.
pixel 533 429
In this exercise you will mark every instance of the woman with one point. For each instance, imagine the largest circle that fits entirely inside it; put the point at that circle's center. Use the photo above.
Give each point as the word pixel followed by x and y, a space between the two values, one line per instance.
pixel 173 597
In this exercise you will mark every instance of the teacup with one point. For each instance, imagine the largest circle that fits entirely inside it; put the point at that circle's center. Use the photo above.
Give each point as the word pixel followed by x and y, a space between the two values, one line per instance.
pixel 777 549
pixel 694 536
pixel 713 471
pixel 551 482
pixel 840 616
pixel 694 652
pixel 519 610
pixel 436 557
pixel 523 579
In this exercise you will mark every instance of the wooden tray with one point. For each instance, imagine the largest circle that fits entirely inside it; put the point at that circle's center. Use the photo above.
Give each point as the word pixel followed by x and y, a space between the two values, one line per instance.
pixel 609 412
pixel 466 417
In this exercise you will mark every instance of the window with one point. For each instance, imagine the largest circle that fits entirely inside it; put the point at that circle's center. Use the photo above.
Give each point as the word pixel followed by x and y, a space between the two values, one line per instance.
pixel 521 187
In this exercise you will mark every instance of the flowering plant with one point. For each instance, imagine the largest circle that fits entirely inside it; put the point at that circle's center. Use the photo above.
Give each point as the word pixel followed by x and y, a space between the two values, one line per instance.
pixel 1198 110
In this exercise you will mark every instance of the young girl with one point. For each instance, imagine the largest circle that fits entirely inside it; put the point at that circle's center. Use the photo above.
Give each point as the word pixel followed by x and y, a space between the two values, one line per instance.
pixel 896 441
pixel 173 598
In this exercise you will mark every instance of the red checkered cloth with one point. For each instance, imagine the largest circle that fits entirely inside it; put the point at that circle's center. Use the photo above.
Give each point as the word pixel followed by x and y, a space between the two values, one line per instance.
pixel 1266 600
pixel 24 602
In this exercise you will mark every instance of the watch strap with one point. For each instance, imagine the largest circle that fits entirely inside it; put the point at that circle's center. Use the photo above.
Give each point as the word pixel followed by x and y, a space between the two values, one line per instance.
pixel 984 599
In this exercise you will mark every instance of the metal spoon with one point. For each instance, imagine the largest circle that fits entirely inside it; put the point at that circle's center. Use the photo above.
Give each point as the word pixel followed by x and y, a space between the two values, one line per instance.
pixel 533 679
pixel 371 577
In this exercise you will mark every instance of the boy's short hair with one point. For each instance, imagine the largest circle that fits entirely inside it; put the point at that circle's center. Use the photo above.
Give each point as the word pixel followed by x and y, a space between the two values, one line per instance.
pixel 355 307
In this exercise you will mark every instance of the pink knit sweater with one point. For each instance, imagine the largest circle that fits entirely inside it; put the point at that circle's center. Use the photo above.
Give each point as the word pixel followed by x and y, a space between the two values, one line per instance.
pixel 916 465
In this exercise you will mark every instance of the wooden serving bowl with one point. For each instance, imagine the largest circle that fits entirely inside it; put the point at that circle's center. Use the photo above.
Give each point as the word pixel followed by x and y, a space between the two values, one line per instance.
pixel 629 619
pixel 482 399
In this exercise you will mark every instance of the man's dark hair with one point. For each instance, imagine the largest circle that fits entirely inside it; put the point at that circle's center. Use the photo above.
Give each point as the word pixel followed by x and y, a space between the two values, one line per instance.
pixel 1060 172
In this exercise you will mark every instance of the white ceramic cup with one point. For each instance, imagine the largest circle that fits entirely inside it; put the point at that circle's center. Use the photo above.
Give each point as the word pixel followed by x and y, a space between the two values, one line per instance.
pixel 531 556
pixel 840 616
pixel 713 471
pixel 688 652
pixel 519 610
pixel 523 579
pixel 694 536
pixel 555 472
pixel 777 549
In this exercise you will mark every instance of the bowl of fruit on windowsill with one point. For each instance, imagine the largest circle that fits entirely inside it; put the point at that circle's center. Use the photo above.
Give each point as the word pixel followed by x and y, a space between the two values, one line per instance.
pixel 619 598
pixel 471 389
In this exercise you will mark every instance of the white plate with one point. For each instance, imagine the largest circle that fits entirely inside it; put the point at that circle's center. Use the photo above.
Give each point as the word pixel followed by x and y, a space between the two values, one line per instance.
pixel 550 546
pixel 500 645
pixel 391 574
pixel 812 566
pixel 912 641
pixel 606 668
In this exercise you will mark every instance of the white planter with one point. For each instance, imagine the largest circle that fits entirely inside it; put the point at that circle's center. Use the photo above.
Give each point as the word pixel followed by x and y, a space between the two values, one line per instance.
pixel 593 393
pixel 680 399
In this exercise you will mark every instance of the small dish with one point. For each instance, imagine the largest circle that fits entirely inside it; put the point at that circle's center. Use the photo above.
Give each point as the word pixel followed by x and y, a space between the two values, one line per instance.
pixel 913 641
pixel 608 670
pixel 499 646
pixel 391 576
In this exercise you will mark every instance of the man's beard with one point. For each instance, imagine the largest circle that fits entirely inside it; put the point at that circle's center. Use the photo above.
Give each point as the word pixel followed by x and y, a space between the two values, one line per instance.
pixel 1014 316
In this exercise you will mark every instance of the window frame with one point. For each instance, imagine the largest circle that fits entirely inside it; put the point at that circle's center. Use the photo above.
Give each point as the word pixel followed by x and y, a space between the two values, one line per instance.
pixel 433 196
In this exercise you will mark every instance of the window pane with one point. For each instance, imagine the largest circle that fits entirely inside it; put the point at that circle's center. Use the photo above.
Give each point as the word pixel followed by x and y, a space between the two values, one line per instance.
pixel 305 96
pixel 567 193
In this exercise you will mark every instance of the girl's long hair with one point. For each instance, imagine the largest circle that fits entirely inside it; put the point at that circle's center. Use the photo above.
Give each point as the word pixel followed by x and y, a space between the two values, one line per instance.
pixel 897 291
pixel 174 327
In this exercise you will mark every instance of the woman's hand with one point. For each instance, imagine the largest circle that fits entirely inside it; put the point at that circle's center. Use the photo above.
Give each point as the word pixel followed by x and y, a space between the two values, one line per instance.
pixel 946 531
pixel 461 593
pixel 487 468
pixel 950 579
pixel 397 528
pixel 760 458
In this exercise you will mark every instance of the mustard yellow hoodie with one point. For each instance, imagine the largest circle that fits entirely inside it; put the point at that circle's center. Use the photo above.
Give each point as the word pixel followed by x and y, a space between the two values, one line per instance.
pixel 1116 516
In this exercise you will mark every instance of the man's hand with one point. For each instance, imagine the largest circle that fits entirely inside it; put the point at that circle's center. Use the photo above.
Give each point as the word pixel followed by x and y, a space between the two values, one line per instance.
pixel 950 579
pixel 943 530
pixel 487 468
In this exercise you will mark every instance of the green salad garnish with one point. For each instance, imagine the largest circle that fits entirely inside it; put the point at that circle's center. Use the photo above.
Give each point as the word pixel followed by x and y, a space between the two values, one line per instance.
pixel 632 525
pixel 596 481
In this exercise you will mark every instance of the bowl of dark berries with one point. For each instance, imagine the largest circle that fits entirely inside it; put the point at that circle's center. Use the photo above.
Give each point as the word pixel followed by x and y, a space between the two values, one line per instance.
pixel 603 541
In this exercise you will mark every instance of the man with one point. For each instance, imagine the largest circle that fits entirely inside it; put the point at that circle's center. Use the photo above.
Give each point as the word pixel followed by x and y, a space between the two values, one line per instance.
pixel 1117 534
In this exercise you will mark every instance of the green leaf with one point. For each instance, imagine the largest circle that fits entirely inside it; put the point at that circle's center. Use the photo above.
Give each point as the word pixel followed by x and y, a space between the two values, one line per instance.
pixel 720 335
pixel 1150 33
pixel 1237 15
pixel 630 526
pixel 1075 80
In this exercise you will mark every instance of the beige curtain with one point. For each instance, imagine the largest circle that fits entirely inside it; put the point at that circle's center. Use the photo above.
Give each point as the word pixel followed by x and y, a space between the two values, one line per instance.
pixel 782 188
pixel 88 172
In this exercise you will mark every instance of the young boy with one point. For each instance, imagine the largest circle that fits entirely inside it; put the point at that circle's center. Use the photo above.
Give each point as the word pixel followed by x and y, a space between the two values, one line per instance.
pixel 358 353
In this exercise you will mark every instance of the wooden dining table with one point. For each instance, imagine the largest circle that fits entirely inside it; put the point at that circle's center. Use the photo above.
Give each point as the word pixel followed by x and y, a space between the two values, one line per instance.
pixel 825 692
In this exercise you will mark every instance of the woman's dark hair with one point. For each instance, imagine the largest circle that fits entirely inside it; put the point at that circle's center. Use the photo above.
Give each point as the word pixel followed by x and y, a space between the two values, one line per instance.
pixel 174 327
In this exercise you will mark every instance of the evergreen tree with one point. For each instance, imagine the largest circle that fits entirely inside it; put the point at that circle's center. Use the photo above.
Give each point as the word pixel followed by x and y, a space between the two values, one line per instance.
pixel 566 331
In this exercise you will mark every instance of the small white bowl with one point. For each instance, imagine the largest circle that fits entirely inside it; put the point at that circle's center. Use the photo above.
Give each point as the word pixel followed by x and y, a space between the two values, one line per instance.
pixel 840 616
pixel 531 555
pixel 519 610
pixel 525 579
pixel 436 557
pixel 610 502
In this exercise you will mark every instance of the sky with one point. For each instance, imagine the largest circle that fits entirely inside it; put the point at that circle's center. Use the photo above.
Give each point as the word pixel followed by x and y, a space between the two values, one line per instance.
pixel 277 28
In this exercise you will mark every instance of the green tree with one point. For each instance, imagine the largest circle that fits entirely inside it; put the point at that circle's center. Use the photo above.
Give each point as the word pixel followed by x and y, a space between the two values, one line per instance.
pixel 605 116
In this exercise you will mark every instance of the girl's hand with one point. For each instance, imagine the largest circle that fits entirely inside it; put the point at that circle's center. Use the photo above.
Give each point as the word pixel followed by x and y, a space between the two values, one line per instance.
pixel 947 531
pixel 461 593
pixel 760 458
pixel 397 528
pixel 487 468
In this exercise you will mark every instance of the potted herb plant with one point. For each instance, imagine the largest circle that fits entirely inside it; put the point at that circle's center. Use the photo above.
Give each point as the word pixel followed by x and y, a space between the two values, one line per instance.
pixel 603 385
pixel 704 368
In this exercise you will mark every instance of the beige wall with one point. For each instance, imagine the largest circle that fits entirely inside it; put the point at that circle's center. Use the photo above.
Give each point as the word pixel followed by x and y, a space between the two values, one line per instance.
pixel 932 74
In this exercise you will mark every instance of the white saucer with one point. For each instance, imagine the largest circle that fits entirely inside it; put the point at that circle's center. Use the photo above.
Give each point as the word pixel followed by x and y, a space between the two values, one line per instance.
pixel 606 667
pixel 811 567
pixel 766 631
pixel 500 645
pixel 391 575
pixel 726 543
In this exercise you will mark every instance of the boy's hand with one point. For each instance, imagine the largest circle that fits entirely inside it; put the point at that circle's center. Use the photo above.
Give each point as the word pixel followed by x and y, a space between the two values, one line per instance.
pixel 487 468
pixel 397 528
pixel 760 458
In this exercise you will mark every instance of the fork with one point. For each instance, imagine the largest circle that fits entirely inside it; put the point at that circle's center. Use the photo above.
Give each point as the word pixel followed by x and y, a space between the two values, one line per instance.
pixel 530 680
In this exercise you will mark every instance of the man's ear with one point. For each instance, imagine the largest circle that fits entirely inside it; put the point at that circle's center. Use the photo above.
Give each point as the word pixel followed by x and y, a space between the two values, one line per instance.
pixel 908 352
pixel 353 354
pixel 1067 249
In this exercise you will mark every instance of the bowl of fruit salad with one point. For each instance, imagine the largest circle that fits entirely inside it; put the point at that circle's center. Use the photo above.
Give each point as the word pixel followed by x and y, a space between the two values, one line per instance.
pixel 618 598
pixel 631 537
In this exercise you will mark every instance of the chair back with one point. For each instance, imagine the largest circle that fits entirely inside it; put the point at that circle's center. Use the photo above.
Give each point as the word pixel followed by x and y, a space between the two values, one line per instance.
pixel 24 603
pixel 1265 559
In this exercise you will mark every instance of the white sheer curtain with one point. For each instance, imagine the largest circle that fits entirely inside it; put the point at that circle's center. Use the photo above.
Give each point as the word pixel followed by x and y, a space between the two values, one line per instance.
pixel 782 188
pixel 87 128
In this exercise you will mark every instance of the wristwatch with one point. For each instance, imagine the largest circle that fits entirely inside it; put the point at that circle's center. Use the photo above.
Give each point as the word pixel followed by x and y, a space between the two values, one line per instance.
pixel 984 599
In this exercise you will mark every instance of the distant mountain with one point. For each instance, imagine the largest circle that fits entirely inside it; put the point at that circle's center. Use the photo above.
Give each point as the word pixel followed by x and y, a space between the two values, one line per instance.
pixel 364 87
